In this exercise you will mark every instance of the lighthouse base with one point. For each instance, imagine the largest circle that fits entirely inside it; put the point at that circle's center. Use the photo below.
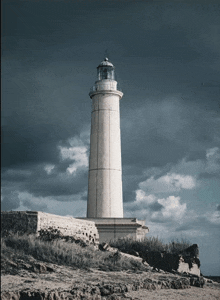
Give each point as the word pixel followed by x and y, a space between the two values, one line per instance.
pixel 113 228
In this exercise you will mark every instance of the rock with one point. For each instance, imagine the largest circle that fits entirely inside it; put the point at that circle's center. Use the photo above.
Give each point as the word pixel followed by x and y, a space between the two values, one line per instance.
pixel 104 291
pixel 85 292
pixel 39 268
pixel 134 253
pixel 197 281
pixel 26 266
pixel 10 296
pixel 149 284
pixel 181 283
pixel 165 284
pixel 107 247
pixel 114 297
pixel 11 263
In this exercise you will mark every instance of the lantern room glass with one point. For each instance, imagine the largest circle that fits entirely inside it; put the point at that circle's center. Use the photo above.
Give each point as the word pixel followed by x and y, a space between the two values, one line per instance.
pixel 106 72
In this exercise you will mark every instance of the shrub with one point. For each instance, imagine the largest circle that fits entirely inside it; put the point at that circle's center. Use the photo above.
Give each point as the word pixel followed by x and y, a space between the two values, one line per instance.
pixel 176 247
pixel 130 245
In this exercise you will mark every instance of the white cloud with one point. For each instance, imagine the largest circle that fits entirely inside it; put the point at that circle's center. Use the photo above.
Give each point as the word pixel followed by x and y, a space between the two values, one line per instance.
pixel 211 164
pixel 81 140
pixel 72 205
pixel 213 160
pixel 141 197
pixel 77 152
pixel 49 168
pixel 181 187
pixel 155 209
pixel 29 202
pixel 183 175
pixel 172 209
pixel 215 217
pixel 171 182
pixel 212 152
pixel 81 159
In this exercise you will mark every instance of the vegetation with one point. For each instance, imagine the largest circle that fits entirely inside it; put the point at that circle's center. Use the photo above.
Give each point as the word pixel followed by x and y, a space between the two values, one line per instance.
pixel 57 249
pixel 63 252
pixel 129 245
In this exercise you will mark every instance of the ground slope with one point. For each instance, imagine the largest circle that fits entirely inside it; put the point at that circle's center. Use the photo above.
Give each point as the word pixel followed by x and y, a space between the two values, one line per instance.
pixel 28 278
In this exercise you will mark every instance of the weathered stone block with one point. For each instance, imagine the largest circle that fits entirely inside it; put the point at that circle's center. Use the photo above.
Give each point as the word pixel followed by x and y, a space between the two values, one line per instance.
pixel 32 222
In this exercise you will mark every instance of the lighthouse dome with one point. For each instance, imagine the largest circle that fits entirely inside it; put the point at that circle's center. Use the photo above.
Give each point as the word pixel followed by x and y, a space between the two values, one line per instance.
pixel 106 62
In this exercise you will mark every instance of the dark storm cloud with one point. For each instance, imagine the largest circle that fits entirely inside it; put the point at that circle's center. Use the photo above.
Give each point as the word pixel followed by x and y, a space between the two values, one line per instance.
pixel 34 206
pixel 197 223
pixel 42 118
pixel 10 200
pixel 184 227
pixel 131 176
pixel 44 33
pixel 209 175
pixel 155 206
pixel 171 129
pixel 39 183
pixel 166 58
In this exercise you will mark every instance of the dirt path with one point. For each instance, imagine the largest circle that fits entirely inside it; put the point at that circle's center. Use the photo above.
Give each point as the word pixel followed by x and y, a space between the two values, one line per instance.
pixel 193 293
pixel 64 278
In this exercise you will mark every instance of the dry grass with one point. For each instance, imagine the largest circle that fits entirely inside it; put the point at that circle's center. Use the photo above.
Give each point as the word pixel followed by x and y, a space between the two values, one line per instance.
pixel 65 253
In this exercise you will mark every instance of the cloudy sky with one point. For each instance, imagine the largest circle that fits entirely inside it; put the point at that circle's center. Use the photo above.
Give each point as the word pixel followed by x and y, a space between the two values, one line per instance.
pixel 167 59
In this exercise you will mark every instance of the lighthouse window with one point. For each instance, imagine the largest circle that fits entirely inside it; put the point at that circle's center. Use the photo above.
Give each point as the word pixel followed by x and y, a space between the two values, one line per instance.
pixel 105 74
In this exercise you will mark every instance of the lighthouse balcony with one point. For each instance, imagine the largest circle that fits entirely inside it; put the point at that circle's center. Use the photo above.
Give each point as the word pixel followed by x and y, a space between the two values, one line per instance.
pixel 105 85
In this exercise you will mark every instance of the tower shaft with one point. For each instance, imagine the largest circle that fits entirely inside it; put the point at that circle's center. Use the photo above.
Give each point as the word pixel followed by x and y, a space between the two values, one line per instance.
pixel 105 175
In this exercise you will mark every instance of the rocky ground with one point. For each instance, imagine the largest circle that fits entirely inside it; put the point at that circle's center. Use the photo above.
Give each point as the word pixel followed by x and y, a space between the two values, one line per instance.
pixel 31 279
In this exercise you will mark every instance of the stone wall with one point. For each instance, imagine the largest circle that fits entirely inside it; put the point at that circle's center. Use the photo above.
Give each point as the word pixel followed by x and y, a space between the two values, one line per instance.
pixel 32 222
pixel 68 226
pixel 19 222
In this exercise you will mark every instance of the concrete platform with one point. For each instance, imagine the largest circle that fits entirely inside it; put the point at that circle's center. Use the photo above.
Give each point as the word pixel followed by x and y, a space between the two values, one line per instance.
pixel 113 228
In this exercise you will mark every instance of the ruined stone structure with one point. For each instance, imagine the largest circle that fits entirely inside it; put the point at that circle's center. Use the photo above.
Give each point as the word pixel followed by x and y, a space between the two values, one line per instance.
pixel 187 261
pixel 31 222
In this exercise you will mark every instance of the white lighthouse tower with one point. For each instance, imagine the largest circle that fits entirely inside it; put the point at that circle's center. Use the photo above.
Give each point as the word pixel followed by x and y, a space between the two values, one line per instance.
pixel 105 174
pixel 105 203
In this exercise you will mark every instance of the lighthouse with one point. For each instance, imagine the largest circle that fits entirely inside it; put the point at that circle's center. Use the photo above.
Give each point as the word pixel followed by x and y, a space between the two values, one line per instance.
pixel 105 201
pixel 105 172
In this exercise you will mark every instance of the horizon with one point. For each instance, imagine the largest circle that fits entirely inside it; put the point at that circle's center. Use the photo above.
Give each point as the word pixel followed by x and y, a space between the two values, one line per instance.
pixel 167 61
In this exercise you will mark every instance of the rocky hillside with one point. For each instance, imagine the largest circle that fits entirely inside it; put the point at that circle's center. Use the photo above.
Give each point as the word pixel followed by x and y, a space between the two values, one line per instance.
pixel 33 279
pixel 25 277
